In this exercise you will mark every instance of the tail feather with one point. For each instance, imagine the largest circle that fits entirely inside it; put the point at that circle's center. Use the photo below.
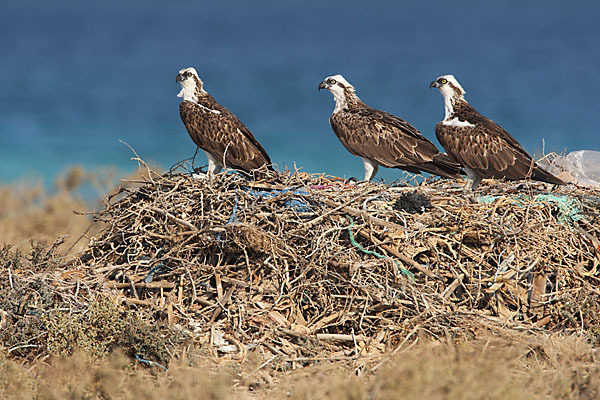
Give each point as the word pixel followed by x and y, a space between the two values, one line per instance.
pixel 541 175
pixel 443 165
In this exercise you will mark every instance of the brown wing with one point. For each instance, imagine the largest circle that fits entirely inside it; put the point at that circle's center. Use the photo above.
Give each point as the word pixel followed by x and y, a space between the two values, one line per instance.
pixel 223 135
pixel 390 141
pixel 488 149
pixel 466 112
pixel 487 155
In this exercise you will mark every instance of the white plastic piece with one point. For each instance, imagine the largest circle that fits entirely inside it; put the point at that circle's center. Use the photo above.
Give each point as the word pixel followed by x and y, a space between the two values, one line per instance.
pixel 581 167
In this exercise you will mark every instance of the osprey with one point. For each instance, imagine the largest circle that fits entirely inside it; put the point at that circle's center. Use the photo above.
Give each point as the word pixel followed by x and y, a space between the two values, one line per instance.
pixel 380 138
pixel 479 144
pixel 216 130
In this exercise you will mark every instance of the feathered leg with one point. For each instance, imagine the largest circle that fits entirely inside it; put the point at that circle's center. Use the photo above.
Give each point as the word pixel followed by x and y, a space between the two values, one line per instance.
pixel 370 168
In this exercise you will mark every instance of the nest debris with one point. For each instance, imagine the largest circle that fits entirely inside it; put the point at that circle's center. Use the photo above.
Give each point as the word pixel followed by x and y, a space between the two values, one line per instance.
pixel 307 267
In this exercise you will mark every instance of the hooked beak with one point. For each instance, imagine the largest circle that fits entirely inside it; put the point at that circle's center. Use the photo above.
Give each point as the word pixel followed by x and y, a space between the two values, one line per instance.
pixel 179 78
pixel 434 84
pixel 322 85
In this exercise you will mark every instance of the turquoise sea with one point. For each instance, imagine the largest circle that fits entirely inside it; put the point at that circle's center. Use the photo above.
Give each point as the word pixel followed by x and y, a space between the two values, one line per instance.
pixel 76 77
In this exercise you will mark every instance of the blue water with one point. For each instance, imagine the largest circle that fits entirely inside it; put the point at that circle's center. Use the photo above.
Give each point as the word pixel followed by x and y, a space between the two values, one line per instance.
pixel 75 77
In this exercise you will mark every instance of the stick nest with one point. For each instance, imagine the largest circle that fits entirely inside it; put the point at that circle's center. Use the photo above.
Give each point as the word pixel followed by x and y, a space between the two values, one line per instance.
pixel 308 266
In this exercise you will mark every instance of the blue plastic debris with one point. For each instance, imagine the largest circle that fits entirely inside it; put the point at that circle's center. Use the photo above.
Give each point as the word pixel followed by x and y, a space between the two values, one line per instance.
pixel 233 217
pixel 297 205
pixel 151 363
pixel 150 277
pixel 568 207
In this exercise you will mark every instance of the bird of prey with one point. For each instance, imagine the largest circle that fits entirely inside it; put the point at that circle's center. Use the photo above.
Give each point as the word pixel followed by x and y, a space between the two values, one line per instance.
pixel 380 138
pixel 479 144
pixel 216 130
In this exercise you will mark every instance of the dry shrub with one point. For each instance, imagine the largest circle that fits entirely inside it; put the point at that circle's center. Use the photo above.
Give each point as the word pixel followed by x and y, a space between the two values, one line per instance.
pixel 101 328
pixel 37 317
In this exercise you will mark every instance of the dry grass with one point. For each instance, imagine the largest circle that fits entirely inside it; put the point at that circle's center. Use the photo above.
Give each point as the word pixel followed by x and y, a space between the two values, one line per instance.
pixel 29 214
pixel 77 377
pixel 491 367
pixel 520 367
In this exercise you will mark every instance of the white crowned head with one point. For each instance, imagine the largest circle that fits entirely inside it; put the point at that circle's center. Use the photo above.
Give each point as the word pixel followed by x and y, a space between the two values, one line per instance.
pixel 449 87
pixel 451 90
pixel 190 84
pixel 339 87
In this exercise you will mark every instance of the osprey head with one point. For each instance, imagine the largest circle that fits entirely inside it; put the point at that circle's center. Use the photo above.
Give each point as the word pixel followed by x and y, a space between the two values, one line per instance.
pixel 190 84
pixel 336 83
pixel 340 88
pixel 448 87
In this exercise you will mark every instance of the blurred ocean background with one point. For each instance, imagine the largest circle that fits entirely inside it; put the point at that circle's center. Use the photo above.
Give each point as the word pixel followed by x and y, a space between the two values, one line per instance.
pixel 76 77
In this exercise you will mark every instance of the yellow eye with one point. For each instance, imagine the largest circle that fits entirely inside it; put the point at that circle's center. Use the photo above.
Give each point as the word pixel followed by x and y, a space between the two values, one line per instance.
pixel 444 81
pixel 332 81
